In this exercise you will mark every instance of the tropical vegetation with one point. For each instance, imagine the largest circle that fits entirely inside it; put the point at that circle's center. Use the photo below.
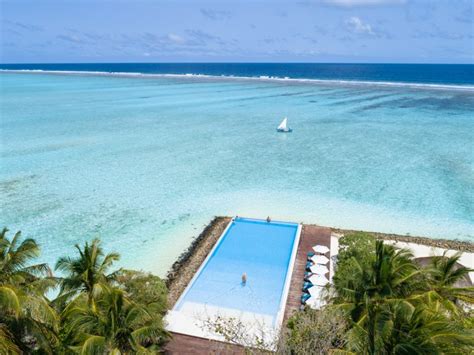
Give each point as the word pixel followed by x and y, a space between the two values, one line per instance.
pixel 383 301
pixel 94 310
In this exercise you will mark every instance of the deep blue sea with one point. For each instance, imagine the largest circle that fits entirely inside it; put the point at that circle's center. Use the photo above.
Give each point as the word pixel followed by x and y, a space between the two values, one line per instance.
pixel 404 73
pixel 144 155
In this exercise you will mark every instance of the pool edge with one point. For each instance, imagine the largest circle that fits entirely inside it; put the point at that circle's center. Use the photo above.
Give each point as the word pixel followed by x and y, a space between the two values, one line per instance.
pixel 203 264
pixel 279 317
pixel 289 273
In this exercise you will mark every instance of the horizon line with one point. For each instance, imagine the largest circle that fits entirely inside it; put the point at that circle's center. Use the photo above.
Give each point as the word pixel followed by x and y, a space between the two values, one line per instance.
pixel 231 62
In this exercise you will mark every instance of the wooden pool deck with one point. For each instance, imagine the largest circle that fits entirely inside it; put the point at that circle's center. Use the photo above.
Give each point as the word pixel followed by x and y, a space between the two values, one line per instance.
pixel 310 236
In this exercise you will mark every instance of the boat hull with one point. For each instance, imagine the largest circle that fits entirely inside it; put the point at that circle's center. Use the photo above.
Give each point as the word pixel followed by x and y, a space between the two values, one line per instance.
pixel 288 130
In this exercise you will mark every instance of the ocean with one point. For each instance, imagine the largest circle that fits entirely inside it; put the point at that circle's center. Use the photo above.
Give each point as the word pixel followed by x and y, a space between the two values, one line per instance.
pixel 144 155
pixel 434 74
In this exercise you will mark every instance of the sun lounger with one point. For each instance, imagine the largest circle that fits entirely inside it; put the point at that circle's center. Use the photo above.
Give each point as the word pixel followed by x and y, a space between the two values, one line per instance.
pixel 305 297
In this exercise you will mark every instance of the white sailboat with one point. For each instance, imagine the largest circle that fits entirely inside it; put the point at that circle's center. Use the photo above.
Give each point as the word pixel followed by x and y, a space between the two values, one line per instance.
pixel 283 127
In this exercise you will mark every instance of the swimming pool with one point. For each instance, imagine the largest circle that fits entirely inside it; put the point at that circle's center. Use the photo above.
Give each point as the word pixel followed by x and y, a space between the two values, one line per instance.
pixel 265 252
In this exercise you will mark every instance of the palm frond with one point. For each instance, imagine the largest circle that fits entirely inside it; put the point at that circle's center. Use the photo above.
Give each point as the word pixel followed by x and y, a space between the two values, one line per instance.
pixel 39 310
pixel 9 301
pixel 109 259
pixel 7 344
pixel 38 270
pixel 94 345
pixel 145 334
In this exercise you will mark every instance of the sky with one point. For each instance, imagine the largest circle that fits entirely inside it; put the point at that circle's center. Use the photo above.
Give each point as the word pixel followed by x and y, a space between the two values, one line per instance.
pixel 387 31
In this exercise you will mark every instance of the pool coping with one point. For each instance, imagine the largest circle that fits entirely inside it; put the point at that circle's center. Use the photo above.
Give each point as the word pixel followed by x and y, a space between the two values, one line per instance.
pixel 289 273
pixel 278 320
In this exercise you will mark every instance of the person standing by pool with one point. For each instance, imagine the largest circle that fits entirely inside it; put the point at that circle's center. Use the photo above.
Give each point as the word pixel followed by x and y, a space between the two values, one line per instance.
pixel 244 279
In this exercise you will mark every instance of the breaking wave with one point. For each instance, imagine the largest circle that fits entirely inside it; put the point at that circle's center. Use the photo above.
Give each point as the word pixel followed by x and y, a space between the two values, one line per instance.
pixel 248 78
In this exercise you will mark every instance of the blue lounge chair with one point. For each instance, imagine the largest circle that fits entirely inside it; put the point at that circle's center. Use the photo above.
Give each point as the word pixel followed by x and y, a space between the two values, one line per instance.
pixel 310 255
pixel 305 297
pixel 306 285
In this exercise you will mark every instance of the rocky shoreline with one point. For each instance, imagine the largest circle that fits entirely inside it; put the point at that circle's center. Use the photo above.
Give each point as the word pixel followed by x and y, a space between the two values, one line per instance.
pixel 183 269
pixel 454 244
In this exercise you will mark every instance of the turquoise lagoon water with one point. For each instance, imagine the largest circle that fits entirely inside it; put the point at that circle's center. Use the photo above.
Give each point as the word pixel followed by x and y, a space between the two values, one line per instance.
pixel 259 249
pixel 146 162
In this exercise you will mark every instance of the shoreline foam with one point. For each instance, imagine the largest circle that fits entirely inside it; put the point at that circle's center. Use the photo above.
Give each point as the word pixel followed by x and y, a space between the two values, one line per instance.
pixel 390 84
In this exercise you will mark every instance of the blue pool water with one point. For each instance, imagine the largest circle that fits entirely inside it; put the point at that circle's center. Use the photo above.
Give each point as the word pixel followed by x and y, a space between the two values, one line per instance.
pixel 261 250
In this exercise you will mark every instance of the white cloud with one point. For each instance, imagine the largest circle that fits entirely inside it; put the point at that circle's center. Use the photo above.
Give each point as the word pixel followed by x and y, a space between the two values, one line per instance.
pixel 350 3
pixel 216 14
pixel 175 38
pixel 355 24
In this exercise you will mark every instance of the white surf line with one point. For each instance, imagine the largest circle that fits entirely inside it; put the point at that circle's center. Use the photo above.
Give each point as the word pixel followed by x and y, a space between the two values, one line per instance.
pixel 248 78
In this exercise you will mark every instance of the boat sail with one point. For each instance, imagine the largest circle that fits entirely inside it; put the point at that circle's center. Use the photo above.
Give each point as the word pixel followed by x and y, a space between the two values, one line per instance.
pixel 283 127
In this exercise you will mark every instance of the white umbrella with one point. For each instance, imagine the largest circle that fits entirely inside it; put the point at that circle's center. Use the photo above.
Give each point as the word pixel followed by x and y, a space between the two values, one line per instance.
pixel 321 249
pixel 315 291
pixel 318 280
pixel 315 302
pixel 319 269
pixel 320 259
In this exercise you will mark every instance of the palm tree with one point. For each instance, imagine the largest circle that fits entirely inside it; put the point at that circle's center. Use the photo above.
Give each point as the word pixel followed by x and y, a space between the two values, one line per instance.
pixel 27 321
pixel 7 342
pixel 420 330
pixel 445 279
pixel 116 326
pixel 389 276
pixel 86 273
pixel 15 259
pixel 368 294
pixel 384 305
pixel 407 329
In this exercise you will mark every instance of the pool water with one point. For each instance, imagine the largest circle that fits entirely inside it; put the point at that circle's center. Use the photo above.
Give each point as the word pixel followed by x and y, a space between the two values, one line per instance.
pixel 260 249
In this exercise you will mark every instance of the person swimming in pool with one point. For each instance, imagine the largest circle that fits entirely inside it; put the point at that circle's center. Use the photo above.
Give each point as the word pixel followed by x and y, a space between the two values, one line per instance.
pixel 244 279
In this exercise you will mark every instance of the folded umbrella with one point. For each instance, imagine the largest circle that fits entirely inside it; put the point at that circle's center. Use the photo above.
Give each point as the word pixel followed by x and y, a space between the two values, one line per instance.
pixel 315 291
pixel 318 280
pixel 314 303
pixel 320 259
pixel 319 269
pixel 321 249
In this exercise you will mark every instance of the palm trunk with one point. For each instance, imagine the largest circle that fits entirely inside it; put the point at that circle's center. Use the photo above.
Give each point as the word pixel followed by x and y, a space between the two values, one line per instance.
pixel 371 315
